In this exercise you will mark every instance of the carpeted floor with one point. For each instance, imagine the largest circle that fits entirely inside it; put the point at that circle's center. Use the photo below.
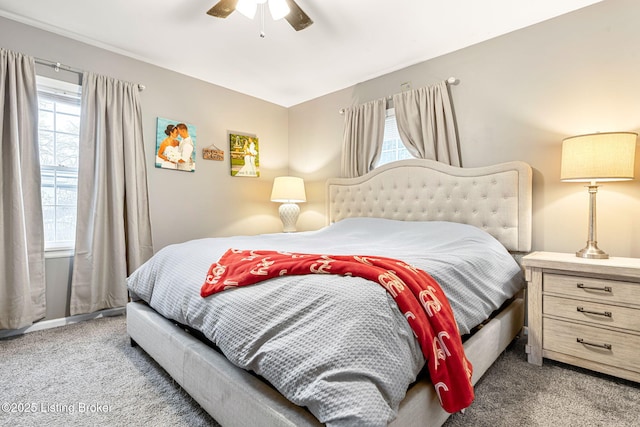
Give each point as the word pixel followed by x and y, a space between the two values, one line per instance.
pixel 87 374
pixel 516 393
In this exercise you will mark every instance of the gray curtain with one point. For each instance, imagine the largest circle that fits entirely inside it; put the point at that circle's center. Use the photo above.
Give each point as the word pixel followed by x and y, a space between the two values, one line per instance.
pixel 363 137
pixel 426 123
pixel 113 234
pixel 22 279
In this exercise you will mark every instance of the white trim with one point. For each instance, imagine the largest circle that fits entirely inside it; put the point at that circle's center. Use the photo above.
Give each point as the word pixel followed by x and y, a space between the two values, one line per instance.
pixel 55 323
pixel 59 253
pixel 55 86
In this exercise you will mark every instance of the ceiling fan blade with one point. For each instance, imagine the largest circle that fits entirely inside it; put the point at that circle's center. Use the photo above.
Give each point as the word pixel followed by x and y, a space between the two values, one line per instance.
pixel 297 18
pixel 223 8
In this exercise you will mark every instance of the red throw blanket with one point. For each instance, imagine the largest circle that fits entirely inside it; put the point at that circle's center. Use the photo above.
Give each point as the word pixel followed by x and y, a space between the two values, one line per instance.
pixel 417 294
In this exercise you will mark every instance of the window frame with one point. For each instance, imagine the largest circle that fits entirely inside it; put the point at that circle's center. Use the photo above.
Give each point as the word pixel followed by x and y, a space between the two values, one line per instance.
pixel 58 91
pixel 400 150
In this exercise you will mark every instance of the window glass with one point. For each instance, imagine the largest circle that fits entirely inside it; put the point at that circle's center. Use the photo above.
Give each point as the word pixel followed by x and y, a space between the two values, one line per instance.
pixel 58 137
pixel 392 147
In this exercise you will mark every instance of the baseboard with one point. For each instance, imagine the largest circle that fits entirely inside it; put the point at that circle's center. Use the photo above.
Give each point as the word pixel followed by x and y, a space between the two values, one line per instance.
pixel 55 323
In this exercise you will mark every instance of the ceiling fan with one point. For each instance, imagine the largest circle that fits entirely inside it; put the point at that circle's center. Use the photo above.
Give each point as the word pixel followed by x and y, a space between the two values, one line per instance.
pixel 287 9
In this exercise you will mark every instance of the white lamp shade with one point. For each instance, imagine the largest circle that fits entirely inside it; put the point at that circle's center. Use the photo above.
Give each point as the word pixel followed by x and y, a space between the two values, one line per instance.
pixel 247 8
pixel 288 189
pixel 279 9
pixel 606 156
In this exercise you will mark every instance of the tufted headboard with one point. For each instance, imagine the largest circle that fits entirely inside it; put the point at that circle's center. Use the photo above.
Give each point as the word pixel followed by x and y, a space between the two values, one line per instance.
pixel 494 198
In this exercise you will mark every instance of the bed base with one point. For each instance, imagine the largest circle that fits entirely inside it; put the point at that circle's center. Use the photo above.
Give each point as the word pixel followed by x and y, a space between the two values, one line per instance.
pixel 235 397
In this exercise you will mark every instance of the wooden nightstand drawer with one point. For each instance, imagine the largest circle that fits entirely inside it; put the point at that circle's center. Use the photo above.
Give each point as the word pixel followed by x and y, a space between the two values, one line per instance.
pixel 585 312
pixel 598 345
pixel 608 291
pixel 592 312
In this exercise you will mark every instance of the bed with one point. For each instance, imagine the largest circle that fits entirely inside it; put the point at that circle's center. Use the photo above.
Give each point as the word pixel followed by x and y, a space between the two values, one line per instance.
pixel 400 197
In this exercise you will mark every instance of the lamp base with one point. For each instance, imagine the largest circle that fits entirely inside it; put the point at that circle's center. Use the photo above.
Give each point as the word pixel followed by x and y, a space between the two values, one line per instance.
pixel 592 251
pixel 289 216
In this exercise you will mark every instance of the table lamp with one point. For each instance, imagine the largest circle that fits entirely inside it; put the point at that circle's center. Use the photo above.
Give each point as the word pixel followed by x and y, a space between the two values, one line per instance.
pixel 593 158
pixel 288 190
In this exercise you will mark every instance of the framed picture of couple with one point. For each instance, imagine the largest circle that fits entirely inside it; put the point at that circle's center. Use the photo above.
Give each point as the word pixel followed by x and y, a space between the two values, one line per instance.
pixel 244 155
pixel 175 145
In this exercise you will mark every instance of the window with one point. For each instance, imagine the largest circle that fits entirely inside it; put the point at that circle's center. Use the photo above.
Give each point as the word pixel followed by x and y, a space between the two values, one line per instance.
pixel 58 135
pixel 392 147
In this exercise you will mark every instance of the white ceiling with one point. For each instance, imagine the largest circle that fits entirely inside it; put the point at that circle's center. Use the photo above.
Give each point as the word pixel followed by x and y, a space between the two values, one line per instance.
pixel 350 41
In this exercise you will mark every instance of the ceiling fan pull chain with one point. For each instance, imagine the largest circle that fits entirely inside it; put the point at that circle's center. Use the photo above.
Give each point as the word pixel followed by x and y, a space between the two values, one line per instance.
pixel 262 34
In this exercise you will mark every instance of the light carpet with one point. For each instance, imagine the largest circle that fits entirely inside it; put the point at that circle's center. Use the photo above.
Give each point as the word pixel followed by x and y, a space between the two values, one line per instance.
pixel 88 374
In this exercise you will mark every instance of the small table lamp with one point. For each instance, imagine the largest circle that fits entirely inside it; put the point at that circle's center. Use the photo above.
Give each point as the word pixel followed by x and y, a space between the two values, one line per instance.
pixel 288 190
pixel 597 157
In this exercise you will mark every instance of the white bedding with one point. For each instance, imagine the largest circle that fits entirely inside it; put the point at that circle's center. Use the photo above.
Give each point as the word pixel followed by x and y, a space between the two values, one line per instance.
pixel 337 345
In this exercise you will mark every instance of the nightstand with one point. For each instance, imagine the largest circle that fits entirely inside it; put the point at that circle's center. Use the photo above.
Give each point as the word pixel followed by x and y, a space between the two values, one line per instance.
pixel 585 312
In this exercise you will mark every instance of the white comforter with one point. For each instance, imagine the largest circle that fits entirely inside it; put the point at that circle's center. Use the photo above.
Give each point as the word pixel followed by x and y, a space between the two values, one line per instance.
pixel 337 345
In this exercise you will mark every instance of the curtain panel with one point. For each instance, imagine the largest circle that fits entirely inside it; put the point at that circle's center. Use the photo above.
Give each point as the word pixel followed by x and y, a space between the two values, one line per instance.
pixel 426 123
pixel 363 137
pixel 113 234
pixel 22 275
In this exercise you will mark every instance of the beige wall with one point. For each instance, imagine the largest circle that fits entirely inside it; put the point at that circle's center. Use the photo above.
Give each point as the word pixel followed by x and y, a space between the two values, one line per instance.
pixel 519 95
pixel 183 205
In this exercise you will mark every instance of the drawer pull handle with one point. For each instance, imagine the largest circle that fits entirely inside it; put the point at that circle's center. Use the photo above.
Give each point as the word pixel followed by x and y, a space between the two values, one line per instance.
pixel 594 288
pixel 597 313
pixel 605 346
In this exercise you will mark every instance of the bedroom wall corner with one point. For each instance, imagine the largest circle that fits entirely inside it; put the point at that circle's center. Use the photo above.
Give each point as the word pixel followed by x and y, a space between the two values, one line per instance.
pixel 315 143
pixel 519 95
pixel 183 205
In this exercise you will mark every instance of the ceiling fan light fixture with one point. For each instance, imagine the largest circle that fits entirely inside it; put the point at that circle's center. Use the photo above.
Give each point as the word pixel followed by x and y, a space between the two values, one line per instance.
pixel 279 9
pixel 287 9
pixel 247 8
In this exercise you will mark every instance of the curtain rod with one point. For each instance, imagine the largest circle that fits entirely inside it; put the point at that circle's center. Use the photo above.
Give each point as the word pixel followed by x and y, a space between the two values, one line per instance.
pixel 58 66
pixel 450 81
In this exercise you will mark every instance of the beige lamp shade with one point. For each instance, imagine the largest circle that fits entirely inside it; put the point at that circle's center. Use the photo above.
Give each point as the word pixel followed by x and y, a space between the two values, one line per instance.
pixel 607 156
pixel 288 189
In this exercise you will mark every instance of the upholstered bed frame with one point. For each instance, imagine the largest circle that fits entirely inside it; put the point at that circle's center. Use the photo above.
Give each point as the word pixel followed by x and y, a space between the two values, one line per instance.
pixel 494 198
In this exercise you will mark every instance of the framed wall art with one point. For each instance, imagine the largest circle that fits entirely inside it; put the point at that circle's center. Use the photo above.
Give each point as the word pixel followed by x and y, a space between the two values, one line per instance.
pixel 244 154
pixel 175 145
